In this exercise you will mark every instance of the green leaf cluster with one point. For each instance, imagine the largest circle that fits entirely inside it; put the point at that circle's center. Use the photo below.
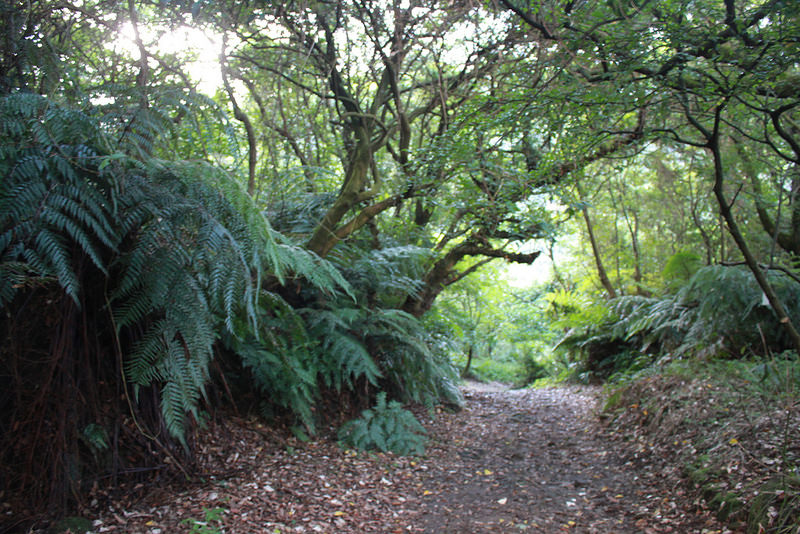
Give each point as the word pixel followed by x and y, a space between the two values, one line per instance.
pixel 719 312
pixel 387 427
pixel 176 250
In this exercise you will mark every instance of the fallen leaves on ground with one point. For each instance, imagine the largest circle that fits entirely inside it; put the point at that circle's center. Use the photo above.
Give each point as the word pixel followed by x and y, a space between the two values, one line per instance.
pixel 511 461
pixel 729 441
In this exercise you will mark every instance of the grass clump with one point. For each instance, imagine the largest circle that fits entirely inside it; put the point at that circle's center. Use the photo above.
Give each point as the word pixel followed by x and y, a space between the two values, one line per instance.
pixel 776 508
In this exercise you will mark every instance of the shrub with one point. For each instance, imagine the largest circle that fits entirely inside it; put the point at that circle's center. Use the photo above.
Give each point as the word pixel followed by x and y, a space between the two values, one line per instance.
pixel 386 427
pixel 719 312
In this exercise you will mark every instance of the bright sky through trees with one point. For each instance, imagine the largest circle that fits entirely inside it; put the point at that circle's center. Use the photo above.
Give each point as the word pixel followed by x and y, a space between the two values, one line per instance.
pixel 523 276
pixel 202 48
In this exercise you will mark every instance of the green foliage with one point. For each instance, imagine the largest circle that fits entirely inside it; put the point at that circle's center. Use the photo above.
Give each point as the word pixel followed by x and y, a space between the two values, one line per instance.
pixel 777 506
pixel 299 263
pixel 771 381
pixel 387 427
pixel 573 308
pixel 298 353
pixel 704 414
pixel 179 245
pixel 533 370
pixel 680 268
pixel 411 368
pixel 210 524
pixel 191 268
pixel 48 203
pixel 319 338
pixel 386 275
pixel 343 357
pixel 496 370
pixel 595 348
pixel 776 377
pixel 295 352
pixel 721 309
pixel 168 258
pixel 506 329
pixel 719 312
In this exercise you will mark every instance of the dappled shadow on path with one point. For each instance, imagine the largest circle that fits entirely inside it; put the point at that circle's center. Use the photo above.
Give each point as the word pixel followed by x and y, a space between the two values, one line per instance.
pixel 537 461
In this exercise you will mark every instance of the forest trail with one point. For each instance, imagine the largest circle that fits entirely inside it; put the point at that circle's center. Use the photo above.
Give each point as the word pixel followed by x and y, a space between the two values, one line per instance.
pixel 510 461
pixel 538 461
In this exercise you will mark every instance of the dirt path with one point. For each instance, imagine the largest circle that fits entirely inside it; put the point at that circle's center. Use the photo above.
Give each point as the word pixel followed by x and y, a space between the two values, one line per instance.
pixel 536 460
pixel 511 461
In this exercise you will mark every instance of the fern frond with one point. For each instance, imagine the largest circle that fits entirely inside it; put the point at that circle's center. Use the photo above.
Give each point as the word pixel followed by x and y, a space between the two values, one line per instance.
pixel 54 258
pixel 386 427
pixel 322 274
pixel 172 409
pixel 141 365
pixel 342 356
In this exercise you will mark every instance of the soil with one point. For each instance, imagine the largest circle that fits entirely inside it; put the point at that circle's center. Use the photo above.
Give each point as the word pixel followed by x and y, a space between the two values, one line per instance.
pixel 510 461
pixel 538 460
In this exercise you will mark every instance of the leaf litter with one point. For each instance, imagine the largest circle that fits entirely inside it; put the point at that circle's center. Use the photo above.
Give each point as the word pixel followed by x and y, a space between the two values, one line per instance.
pixel 510 461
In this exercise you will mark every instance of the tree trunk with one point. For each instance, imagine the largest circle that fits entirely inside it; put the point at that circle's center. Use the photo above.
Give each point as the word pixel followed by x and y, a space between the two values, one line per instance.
pixel 325 237
pixel 443 272
pixel 638 276
pixel 435 280
pixel 788 240
pixel 601 271
pixel 241 116
pixel 470 352
pixel 733 227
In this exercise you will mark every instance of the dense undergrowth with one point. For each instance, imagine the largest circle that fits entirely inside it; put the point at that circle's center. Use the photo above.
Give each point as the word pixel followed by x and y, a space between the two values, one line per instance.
pixel 141 293
pixel 720 312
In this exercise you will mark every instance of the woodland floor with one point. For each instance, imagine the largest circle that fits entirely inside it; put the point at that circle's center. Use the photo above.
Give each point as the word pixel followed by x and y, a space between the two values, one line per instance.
pixel 510 461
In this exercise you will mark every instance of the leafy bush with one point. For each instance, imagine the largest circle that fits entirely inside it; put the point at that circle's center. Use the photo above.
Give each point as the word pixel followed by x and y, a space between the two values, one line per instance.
pixel 298 354
pixel 533 370
pixel 496 370
pixel 294 353
pixel 123 272
pixel 680 268
pixel 412 370
pixel 386 427
pixel 601 349
pixel 721 311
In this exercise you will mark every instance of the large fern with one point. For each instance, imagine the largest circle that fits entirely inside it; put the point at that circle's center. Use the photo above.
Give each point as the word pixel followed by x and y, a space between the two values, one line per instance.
pixel 181 246
pixel 298 353
pixel 720 311
pixel 385 275
pixel 387 427
pixel 413 370
pixel 343 355
pixel 279 359
pixel 53 198
pixel 165 257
